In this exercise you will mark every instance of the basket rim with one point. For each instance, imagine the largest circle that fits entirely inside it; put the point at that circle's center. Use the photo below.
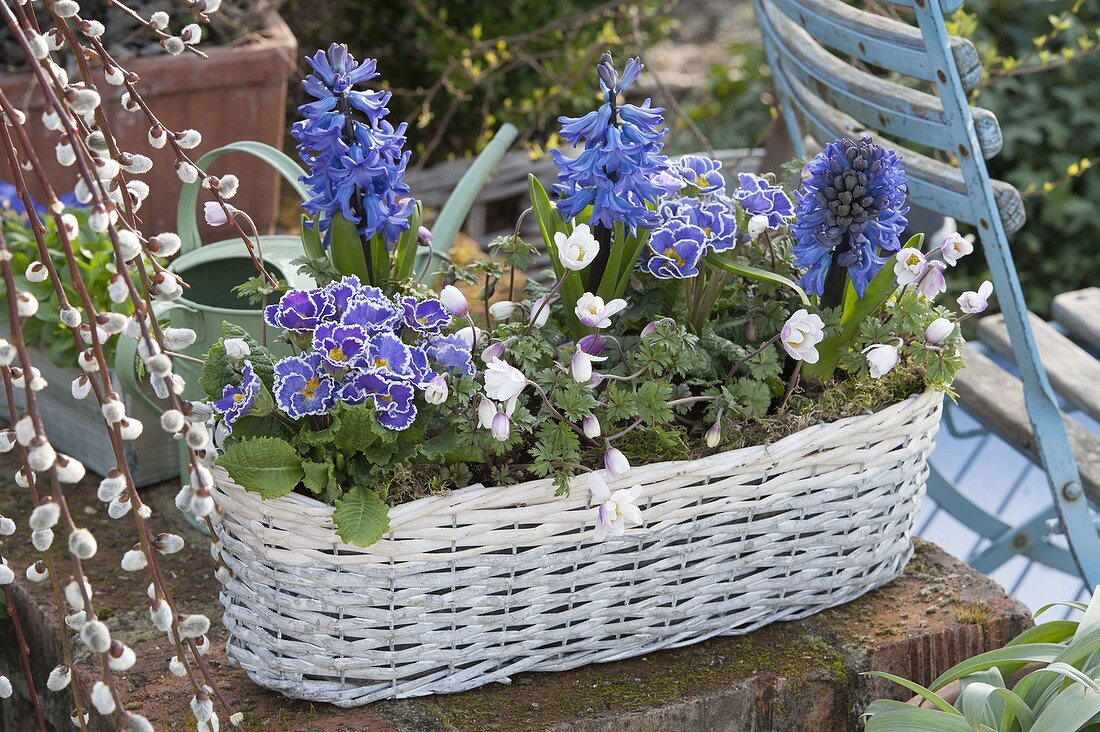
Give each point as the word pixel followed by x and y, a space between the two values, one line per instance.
pixel 302 502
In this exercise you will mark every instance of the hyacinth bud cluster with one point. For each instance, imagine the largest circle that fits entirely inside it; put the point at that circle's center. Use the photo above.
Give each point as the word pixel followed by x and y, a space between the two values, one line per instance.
pixel 105 185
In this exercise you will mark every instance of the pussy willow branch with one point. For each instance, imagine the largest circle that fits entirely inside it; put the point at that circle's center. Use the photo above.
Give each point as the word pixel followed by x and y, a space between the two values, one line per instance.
pixel 102 202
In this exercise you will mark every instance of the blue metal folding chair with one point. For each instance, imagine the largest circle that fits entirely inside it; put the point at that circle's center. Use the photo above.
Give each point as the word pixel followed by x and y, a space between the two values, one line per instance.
pixel 820 52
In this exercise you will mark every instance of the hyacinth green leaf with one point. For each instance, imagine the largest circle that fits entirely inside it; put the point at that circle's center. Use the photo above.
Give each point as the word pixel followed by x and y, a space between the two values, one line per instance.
pixel 724 263
pixel 1054 631
pixel 1072 709
pixel 550 222
pixel 311 239
pixel 361 517
pixel 1008 660
pixel 1079 606
pixel 978 699
pixel 916 688
pixel 905 718
pixel 346 248
pixel 405 252
pixel 265 465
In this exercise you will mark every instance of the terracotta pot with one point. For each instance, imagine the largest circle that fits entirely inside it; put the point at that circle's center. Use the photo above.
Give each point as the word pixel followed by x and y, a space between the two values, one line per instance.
pixel 239 93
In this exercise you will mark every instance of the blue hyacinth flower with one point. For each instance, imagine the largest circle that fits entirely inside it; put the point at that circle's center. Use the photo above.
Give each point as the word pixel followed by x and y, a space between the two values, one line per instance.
pixel 620 156
pixel 302 386
pixel 851 207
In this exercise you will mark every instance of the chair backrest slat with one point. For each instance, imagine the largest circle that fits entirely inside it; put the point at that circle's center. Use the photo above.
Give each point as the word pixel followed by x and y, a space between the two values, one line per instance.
pixel 948 6
pixel 878 40
pixel 895 109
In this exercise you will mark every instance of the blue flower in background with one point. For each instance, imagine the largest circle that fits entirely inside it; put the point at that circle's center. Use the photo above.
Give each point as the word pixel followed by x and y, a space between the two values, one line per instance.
pixel 356 159
pixel 451 353
pixel 851 206
pixel 237 400
pixel 759 197
pixel 392 399
pixel 714 214
pixel 341 346
pixel 301 310
pixel 375 314
pixel 675 250
pixel 621 156
pixel 302 386
pixel 425 316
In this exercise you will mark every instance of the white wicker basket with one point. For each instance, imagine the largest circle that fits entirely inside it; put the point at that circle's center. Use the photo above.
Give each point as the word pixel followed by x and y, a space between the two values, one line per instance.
pixel 483 583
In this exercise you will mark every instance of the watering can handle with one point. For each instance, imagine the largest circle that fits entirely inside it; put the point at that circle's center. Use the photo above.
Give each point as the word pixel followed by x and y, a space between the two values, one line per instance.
pixel 126 356
pixel 186 213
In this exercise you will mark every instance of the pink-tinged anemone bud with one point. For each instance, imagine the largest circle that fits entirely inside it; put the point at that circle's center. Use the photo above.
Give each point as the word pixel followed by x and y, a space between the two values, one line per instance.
pixel 486 412
pixel 502 426
pixel 581 366
pixel 591 344
pixel 502 310
pixel 881 358
pixel 424 236
pixel 938 331
pixel 955 247
pixel 540 312
pixel 492 352
pixel 714 435
pixel 591 427
pixel 454 301
pixel 615 462
pixel 436 392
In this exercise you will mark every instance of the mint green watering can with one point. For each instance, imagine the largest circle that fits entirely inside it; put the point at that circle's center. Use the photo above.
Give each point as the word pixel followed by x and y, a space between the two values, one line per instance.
pixel 214 270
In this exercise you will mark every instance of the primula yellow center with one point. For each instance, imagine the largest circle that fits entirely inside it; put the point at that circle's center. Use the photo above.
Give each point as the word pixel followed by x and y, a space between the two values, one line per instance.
pixel 385 399
pixel 381 363
pixel 337 354
pixel 311 387
pixel 238 398
pixel 701 182
pixel 674 255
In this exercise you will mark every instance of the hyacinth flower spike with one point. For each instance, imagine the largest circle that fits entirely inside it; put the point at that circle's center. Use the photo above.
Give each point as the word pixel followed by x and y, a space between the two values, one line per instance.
pixel 850 215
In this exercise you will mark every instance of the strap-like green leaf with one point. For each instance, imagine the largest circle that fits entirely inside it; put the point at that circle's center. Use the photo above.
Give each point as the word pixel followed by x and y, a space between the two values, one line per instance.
pixel 975 703
pixel 1072 709
pixel 916 688
pixel 550 222
pixel 905 718
pixel 311 239
pixel 404 259
pixel 724 263
pixel 346 249
pixel 1008 659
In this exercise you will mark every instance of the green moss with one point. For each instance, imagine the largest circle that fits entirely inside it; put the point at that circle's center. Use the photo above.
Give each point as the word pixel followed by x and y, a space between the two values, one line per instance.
pixel 537 700
pixel 973 613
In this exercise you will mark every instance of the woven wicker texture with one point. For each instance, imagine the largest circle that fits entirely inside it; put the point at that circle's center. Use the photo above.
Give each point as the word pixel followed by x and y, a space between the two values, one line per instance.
pixel 483 583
